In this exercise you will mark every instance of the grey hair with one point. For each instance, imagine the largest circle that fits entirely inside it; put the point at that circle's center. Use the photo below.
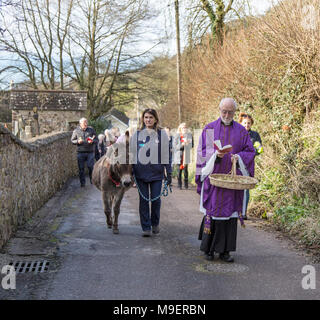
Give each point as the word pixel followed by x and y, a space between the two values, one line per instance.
pixel 224 100
pixel 83 119
pixel 101 136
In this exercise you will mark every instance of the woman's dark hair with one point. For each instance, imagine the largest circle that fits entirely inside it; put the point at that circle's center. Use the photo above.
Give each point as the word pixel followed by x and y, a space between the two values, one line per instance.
pixel 244 115
pixel 155 114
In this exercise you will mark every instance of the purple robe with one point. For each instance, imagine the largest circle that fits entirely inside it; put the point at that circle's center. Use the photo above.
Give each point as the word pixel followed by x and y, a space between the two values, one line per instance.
pixel 221 202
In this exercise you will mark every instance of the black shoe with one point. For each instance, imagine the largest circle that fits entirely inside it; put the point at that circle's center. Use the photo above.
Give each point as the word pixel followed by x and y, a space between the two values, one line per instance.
pixel 82 185
pixel 146 233
pixel 90 180
pixel 209 257
pixel 155 229
pixel 226 257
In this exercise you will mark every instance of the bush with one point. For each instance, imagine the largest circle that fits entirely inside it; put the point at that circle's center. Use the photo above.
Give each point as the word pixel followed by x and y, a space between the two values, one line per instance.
pixel 100 125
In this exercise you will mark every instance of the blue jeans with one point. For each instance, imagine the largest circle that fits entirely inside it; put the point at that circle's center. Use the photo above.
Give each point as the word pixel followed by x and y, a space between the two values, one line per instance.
pixel 148 189
pixel 84 157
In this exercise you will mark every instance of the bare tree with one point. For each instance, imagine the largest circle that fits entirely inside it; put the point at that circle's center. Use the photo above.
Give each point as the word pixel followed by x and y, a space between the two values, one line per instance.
pixel 36 38
pixel 91 42
pixel 205 15
pixel 99 50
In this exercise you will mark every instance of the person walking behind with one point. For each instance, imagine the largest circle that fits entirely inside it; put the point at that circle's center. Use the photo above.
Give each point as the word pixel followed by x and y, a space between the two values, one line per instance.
pixel 247 121
pixel 115 131
pixel 100 149
pixel 183 143
pixel 151 158
pixel 222 207
pixel 84 138
pixel 109 139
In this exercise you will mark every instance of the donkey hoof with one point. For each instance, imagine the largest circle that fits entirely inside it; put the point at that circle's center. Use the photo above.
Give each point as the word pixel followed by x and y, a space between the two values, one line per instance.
pixel 115 231
pixel 109 226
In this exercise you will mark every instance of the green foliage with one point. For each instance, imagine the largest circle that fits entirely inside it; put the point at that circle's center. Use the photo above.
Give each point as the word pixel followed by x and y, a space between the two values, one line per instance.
pixel 290 214
pixel 270 187
pixel 175 171
pixel 100 125
pixel 300 219
pixel 191 177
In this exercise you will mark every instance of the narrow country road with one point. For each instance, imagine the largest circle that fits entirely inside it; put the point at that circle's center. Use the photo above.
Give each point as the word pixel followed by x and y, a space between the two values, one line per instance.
pixel 87 261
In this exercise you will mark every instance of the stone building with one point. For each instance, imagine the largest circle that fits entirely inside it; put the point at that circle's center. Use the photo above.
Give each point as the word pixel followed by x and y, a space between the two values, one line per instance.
pixel 45 111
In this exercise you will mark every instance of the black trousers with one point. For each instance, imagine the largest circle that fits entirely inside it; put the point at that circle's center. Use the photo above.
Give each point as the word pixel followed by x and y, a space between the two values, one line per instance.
pixel 185 170
pixel 85 157
pixel 223 236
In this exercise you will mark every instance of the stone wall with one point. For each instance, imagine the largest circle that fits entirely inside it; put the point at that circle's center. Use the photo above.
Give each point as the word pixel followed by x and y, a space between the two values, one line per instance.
pixel 5 112
pixel 52 121
pixel 30 174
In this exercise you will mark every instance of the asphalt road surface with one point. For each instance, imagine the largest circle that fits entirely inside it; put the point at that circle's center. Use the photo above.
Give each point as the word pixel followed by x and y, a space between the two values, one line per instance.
pixel 87 261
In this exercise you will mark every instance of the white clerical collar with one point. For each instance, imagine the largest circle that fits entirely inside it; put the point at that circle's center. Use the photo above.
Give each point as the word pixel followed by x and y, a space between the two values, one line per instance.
pixel 230 124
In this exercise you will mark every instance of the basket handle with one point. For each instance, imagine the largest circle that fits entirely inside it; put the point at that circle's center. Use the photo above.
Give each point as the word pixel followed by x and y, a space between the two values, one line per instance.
pixel 234 167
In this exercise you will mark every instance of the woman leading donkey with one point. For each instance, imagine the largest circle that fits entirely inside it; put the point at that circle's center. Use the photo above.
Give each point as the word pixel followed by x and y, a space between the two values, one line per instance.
pixel 151 160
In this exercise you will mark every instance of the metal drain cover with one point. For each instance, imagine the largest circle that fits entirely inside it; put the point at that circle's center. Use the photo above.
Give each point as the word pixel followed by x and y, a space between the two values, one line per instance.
pixel 30 266
pixel 226 268
pixel 222 267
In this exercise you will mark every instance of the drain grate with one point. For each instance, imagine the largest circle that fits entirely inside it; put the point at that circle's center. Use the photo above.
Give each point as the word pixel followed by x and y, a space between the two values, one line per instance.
pixel 32 266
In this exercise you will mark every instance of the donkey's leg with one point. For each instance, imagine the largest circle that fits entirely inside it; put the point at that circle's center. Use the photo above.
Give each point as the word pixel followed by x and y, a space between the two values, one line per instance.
pixel 107 206
pixel 116 210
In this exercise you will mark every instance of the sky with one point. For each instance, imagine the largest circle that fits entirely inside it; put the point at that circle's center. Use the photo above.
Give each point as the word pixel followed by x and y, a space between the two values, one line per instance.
pixel 260 6
pixel 164 26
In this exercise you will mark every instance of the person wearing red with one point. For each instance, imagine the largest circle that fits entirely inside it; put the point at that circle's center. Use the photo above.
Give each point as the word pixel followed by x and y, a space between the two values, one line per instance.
pixel 183 143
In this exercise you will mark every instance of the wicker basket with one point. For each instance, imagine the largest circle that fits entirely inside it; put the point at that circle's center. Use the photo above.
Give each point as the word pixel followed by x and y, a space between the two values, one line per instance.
pixel 232 181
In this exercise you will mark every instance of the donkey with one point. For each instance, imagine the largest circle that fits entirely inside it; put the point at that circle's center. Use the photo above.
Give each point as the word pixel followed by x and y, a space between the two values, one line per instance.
pixel 113 179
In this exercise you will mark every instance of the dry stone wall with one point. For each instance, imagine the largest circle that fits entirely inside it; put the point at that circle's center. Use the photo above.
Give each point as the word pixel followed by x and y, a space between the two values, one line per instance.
pixel 30 174
pixel 53 121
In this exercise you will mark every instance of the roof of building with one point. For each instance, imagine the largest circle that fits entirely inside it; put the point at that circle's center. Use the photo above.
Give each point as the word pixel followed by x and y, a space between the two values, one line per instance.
pixel 63 100
pixel 119 115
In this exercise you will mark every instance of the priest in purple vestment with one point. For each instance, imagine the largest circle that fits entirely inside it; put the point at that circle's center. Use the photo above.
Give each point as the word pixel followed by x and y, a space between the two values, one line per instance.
pixel 222 207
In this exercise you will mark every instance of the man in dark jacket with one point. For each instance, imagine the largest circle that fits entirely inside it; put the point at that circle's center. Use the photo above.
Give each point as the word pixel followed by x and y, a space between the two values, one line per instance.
pixel 85 139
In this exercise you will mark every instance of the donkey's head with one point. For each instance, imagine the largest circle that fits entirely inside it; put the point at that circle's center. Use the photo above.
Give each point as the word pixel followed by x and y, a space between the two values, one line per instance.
pixel 118 154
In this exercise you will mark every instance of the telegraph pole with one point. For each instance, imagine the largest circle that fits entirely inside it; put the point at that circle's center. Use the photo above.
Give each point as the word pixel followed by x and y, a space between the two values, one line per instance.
pixel 176 4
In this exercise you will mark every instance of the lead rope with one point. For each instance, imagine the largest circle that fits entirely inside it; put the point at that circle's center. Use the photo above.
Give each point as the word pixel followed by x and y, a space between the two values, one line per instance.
pixel 164 192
